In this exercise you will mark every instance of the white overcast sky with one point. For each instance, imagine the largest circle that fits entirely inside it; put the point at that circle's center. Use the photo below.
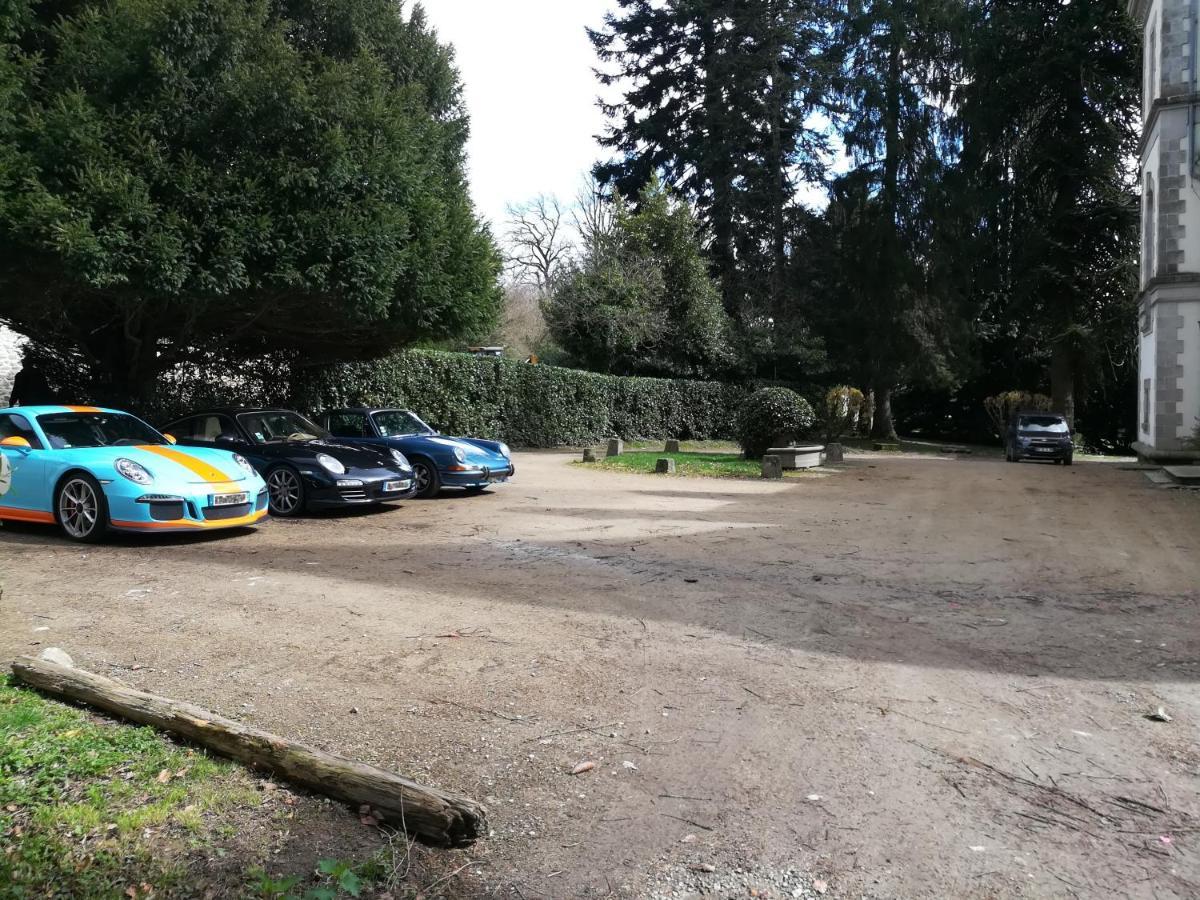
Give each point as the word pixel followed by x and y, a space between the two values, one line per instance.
pixel 526 67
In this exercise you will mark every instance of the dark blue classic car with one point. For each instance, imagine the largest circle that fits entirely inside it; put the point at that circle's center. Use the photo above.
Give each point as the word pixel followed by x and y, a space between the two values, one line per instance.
pixel 437 461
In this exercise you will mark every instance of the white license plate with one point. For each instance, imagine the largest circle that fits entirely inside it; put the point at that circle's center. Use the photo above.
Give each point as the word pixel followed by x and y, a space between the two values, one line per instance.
pixel 229 499
pixel 391 487
pixel 1043 449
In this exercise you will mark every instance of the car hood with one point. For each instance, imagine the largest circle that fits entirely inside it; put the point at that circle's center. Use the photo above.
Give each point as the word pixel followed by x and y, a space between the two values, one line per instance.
pixel 352 457
pixel 439 444
pixel 168 464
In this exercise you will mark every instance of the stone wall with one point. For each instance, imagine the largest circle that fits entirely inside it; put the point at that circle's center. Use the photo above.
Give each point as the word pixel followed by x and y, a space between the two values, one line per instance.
pixel 10 361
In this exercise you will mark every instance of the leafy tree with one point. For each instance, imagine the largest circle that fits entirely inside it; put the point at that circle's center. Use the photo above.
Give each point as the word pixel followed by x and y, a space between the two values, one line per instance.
pixel 717 101
pixel 232 174
pixel 604 311
pixel 641 300
pixel 1048 129
pixel 887 310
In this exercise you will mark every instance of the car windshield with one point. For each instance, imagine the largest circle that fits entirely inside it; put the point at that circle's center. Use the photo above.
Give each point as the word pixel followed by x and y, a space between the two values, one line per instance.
pixel 65 431
pixel 1043 425
pixel 400 422
pixel 278 426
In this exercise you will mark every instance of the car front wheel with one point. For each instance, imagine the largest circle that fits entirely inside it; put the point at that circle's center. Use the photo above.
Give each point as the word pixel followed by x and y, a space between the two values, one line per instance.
pixel 428 481
pixel 81 509
pixel 286 491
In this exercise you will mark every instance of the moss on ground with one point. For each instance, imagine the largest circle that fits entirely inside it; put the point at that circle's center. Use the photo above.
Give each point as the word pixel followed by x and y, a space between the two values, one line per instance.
pixel 91 808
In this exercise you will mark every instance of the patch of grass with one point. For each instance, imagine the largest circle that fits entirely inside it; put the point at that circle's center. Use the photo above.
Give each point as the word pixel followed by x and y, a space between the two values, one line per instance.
pixel 705 465
pixel 91 809
pixel 684 446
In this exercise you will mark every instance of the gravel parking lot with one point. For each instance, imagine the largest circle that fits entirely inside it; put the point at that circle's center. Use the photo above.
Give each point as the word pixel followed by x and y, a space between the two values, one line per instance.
pixel 913 677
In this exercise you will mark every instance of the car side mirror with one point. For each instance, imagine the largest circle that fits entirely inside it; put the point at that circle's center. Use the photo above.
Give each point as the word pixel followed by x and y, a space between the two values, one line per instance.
pixel 16 442
pixel 170 438
pixel 226 438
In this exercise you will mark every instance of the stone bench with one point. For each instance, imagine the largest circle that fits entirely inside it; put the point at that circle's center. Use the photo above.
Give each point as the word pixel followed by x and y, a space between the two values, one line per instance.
pixel 807 457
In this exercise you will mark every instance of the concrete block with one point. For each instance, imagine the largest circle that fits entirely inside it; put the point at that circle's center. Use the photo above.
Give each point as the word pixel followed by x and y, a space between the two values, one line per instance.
pixel 834 454
pixel 589 455
pixel 664 466
pixel 615 447
pixel 772 467
pixel 672 447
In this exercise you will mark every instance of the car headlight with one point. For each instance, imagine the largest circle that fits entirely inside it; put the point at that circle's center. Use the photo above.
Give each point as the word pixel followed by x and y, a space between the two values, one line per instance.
pixel 459 455
pixel 243 464
pixel 504 450
pixel 331 465
pixel 401 459
pixel 135 472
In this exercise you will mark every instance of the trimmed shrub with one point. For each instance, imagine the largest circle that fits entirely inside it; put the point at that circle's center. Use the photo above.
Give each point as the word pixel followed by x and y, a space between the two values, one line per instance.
pixel 842 412
pixel 1001 407
pixel 773 417
pixel 525 405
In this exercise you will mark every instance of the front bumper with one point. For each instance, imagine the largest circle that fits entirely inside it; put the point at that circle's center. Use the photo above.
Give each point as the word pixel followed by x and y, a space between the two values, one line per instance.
pixel 187 511
pixel 1044 451
pixel 359 488
pixel 472 475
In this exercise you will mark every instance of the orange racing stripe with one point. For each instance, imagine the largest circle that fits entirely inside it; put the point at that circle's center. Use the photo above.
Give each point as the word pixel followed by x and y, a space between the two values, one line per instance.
pixel 183 524
pixel 198 467
pixel 26 515
pixel 84 409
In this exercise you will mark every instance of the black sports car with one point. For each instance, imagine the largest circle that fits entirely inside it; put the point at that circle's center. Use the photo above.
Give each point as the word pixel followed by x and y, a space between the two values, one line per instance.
pixel 304 467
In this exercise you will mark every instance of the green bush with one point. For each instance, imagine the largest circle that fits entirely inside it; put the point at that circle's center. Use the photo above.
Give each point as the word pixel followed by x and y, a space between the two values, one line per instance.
pixel 525 405
pixel 772 417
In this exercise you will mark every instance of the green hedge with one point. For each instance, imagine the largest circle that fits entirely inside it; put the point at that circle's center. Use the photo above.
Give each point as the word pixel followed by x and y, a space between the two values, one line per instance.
pixel 526 405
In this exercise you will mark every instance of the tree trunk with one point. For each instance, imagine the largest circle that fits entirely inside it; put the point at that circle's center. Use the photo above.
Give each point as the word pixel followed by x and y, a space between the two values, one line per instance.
pixel 717 163
pixel 437 817
pixel 882 425
pixel 1062 381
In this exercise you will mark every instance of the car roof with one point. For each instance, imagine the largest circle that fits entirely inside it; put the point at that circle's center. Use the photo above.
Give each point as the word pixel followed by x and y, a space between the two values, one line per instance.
pixel 366 410
pixel 43 409
pixel 234 411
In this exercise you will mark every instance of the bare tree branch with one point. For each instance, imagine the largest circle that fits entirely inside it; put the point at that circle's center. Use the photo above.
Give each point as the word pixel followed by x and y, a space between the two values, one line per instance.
pixel 537 241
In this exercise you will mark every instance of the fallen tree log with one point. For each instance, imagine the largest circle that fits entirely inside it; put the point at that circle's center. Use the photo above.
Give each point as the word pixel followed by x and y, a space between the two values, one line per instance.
pixel 434 816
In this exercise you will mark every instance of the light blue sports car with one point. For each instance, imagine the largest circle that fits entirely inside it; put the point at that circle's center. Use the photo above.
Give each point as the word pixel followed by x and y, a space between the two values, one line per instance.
pixel 90 470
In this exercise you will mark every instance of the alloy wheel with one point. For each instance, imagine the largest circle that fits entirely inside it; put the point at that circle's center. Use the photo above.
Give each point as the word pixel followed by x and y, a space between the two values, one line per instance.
pixel 421 473
pixel 78 509
pixel 285 490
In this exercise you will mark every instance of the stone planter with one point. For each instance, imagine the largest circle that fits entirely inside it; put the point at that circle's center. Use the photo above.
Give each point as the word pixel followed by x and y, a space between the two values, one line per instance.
pixel 806 457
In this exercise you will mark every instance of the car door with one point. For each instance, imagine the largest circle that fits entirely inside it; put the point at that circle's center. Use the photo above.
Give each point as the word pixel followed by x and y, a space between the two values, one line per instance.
pixel 22 470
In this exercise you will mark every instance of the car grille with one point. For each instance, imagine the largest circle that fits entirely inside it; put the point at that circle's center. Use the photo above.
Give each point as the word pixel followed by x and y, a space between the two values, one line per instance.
pixel 263 497
pixel 354 495
pixel 213 513
pixel 166 512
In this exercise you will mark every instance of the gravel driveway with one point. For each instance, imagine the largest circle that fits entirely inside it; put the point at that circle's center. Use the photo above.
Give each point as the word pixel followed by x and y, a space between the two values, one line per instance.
pixel 913 677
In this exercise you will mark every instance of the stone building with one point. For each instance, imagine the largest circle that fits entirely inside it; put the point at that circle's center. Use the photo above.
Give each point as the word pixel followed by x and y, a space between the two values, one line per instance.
pixel 10 361
pixel 1169 293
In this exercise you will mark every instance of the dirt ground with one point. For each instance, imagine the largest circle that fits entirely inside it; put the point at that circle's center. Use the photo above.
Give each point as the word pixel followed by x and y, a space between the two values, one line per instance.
pixel 914 677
